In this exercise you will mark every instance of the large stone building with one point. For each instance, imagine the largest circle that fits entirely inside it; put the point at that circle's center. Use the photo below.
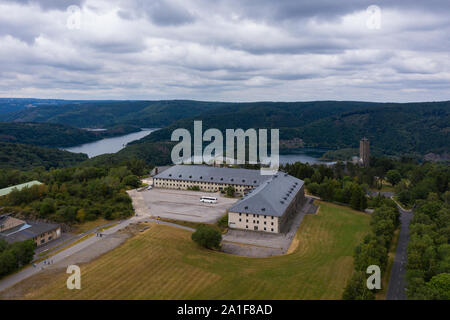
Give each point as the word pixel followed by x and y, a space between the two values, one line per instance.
pixel 270 207
pixel 207 178
pixel 268 204
pixel 13 230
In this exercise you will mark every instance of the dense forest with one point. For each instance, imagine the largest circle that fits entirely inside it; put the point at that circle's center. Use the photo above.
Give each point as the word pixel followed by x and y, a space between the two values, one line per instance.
pixel 15 255
pixel 26 157
pixel 44 134
pixel 104 114
pixel 428 269
pixel 56 135
pixel 393 128
pixel 75 194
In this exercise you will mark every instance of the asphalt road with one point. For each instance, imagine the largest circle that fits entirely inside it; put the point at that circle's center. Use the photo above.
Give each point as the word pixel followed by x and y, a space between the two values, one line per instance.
pixel 397 283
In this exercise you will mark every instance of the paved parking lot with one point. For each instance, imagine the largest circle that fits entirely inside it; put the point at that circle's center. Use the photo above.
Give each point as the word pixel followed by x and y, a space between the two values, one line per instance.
pixel 184 205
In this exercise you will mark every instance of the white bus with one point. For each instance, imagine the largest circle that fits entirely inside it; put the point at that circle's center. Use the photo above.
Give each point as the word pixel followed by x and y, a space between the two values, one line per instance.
pixel 208 199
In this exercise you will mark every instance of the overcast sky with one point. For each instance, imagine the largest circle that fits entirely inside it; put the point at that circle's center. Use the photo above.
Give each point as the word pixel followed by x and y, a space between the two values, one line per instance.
pixel 228 50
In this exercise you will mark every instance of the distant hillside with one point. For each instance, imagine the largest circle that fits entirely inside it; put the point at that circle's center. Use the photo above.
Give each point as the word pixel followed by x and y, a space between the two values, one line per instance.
pixel 392 128
pixel 25 157
pixel 103 114
pixel 56 135
pixel 44 134
pixel 8 105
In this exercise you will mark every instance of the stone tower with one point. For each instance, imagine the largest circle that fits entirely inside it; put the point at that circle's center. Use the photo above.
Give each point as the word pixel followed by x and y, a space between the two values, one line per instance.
pixel 364 152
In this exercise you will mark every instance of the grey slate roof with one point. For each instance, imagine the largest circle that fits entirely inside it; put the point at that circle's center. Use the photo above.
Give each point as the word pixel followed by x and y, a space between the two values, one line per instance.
pixel 271 198
pixel 204 173
pixel 27 231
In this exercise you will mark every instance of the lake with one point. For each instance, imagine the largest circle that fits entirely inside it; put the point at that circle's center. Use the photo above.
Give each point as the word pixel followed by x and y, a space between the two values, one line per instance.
pixel 307 155
pixel 109 145
pixel 113 145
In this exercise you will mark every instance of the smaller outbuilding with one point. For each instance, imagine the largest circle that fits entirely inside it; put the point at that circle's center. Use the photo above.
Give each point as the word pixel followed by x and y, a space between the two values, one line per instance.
pixel 6 191
pixel 14 230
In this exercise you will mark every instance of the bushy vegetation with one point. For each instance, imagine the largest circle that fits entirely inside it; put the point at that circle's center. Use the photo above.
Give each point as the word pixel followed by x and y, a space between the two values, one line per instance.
pixel 207 237
pixel 330 184
pixel 77 194
pixel 223 222
pixel 428 269
pixel 27 157
pixel 14 256
pixel 345 183
pixel 372 251
pixel 418 181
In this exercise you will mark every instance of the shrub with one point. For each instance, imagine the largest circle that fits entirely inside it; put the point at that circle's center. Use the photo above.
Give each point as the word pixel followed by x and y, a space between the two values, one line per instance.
pixel 223 222
pixel 207 237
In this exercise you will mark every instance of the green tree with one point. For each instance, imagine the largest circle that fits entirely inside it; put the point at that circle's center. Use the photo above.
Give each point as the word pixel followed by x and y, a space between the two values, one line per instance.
pixel 440 284
pixel 207 237
pixel 230 191
pixel 132 180
pixel 356 288
pixel 393 176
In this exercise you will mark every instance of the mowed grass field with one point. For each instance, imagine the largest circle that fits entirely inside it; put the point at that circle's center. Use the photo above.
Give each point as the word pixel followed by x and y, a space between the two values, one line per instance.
pixel 164 263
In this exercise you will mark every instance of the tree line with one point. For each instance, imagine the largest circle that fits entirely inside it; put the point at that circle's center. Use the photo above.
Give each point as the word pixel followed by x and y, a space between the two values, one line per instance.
pixel 428 268
pixel 76 194
pixel 373 250
pixel 15 255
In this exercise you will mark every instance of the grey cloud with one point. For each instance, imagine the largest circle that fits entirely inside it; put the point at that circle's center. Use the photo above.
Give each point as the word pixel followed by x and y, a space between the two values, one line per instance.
pixel 160 12
pixel 237 50
pixel 50 4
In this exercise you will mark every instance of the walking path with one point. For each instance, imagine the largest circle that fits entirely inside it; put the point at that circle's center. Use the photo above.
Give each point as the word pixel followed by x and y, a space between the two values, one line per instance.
pixel 65 253
pixel 397 283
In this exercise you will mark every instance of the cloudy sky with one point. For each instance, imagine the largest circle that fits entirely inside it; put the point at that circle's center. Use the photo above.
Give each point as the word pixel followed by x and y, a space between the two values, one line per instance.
pixel 228 50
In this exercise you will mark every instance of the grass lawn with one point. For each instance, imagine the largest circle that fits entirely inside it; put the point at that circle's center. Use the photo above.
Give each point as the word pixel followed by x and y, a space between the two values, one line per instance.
pixel 89 225
pixel 164 263
pixel 385 187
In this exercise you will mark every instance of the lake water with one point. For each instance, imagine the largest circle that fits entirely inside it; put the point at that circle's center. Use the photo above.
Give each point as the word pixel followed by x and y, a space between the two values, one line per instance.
pixel 113 145
pixel 308 155
pixel 109 145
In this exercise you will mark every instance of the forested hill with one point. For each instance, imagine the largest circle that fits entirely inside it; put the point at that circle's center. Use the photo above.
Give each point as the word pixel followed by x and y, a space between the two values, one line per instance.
pixel 26 157
pixel 414 128
pixel 44 134
pixel 56 135
pixel 104 114
pixel 393 128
